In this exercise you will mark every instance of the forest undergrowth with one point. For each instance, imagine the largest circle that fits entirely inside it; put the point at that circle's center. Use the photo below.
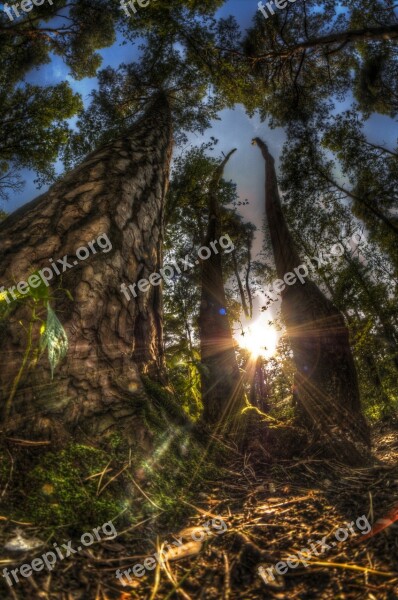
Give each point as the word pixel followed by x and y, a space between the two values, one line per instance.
pixel 272 508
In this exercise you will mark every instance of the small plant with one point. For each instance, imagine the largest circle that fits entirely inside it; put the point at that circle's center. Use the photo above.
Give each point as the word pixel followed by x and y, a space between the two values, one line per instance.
pixel 52 335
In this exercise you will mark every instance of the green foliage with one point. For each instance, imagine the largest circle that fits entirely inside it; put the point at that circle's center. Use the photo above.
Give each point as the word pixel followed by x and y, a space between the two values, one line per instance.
pixel 49 332
pixel 33 121
pixel 71 31
pixel 375 83
pixel 33 118
pixel 349 180
pixel 187 219
pixel 184 372
pixel 54 338
pixel 52 334
pixel 292 64
pixel 124 93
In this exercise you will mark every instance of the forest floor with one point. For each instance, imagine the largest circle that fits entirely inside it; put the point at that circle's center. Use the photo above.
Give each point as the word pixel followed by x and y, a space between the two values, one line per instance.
pixel 269 513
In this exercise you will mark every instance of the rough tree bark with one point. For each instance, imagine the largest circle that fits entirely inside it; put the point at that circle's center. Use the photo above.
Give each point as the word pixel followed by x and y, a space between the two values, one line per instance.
pixel 119 190
pixel 259 388
pixel 220 377
pixel 326 379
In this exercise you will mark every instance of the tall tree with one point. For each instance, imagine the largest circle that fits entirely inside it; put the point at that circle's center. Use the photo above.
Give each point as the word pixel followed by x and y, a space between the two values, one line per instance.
pixel 259 386
pixel 221 381
pixel 326 379
pixel 117 191
pixel 74 31
pixel 328 201
pixel 187 220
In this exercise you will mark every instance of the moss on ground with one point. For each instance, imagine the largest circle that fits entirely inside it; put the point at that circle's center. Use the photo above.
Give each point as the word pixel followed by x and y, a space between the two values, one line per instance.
pixel 63 489
pixel 81 487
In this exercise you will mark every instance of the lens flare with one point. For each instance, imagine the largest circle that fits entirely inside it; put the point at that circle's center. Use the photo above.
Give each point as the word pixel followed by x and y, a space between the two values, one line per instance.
pixel 259 338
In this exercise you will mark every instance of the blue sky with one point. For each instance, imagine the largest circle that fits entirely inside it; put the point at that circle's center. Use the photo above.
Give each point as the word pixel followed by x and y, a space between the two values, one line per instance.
pixel 56 72
pixel 234 129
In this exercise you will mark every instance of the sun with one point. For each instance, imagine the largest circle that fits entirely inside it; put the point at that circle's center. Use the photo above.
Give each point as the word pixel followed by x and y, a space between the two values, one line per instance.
pixel 259 338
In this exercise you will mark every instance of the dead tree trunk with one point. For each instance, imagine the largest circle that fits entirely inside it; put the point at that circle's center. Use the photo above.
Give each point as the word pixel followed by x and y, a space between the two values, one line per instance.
pixel 220 377
pixel 118 190
pixel 240 286
pixel 326 379
pixel 259 386
pixel 247 278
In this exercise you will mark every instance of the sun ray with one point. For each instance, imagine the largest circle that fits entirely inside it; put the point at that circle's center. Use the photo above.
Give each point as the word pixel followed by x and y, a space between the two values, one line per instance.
pixel 260 338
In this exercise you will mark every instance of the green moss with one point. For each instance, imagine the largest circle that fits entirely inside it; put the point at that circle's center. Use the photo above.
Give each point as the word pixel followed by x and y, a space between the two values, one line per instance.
pixel 63 491
pixel 164 400
pixel 60 487
pixel 115 441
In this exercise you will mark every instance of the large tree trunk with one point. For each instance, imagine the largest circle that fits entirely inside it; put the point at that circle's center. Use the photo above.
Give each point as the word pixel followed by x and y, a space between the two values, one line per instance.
pixel 220 377
pixel 240 286
pixel 259 387
pixel 326 379
pixel 118 190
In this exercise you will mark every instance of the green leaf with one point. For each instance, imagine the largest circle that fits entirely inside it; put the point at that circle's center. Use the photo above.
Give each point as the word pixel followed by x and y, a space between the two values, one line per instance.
pixel 54 337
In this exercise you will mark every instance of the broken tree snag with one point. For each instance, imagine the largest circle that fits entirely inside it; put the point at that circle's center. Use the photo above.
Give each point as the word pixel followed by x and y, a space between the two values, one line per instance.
pixel 118 190
pixel 240 286
pixel 326 379
pixel 220 377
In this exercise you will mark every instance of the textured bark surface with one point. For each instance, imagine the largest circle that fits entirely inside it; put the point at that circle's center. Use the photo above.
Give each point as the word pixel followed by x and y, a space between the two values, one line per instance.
pixel 119 190
pixel 326 380
pixel 220 377
pixel 259 389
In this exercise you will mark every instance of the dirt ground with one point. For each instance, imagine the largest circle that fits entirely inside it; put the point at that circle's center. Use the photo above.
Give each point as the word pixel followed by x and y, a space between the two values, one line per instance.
pixel 270 513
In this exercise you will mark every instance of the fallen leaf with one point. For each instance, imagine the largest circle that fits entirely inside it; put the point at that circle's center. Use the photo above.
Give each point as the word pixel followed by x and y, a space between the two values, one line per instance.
pixel 188 549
